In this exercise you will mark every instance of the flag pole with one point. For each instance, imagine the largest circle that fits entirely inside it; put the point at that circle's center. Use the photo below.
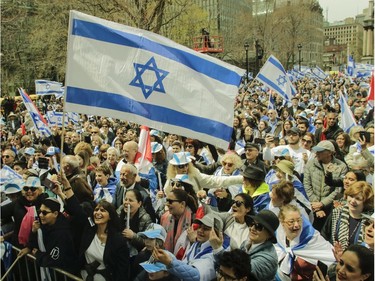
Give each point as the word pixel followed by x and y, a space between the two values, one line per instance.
pixel 62 132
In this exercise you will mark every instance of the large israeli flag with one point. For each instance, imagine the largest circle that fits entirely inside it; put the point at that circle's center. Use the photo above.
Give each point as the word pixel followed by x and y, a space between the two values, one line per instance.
pixel 274 76
pixel 347 119
pixel 127 73
pixel 45 87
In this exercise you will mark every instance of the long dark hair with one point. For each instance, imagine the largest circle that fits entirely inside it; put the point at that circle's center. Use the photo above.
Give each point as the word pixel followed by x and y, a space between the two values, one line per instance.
pixel 113 224
pixel 366 259
pixel 183 196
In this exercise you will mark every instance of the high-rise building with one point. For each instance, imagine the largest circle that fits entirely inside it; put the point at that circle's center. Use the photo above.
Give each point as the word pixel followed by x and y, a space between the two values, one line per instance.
pixel 368 34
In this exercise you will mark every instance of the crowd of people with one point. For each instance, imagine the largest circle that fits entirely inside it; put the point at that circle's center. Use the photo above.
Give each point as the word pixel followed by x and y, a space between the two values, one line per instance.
pixel 290 199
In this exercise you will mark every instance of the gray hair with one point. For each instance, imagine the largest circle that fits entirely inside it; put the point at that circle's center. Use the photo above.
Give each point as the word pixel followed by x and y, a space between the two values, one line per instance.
pixel 72 161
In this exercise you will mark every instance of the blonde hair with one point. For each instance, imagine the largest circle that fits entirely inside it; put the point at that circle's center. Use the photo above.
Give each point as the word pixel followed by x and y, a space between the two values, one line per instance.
pixel 287 208
pixel 363 188
pixel 233 157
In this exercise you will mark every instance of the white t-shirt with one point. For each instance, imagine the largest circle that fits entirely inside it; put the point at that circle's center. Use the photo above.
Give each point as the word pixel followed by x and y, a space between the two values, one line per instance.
pixel 296 155
pixel 95 252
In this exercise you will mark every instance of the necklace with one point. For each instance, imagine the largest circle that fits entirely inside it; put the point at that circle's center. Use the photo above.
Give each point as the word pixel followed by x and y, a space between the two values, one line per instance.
pixel 102 238
pixel 355 229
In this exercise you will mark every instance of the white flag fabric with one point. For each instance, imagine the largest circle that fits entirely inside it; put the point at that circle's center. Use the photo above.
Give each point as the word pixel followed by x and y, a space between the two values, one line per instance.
pixel 45 87
pixel 7 174
pixel 347 118
pixel 55 118
pixel 40 123
pixel 274 76
pixel 131 74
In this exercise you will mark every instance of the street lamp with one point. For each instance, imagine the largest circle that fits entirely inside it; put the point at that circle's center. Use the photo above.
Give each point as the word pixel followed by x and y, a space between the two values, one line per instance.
pixel 246 46
pixel 299 46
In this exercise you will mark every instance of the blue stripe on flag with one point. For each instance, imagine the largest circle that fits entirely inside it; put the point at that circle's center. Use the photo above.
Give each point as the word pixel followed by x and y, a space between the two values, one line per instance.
pixel 107 34
pixel 276 64
pixel 157 113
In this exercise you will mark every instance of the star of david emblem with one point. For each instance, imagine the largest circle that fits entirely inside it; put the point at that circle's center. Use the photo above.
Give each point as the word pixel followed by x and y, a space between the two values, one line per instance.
pixel 138 80
pixel 281 80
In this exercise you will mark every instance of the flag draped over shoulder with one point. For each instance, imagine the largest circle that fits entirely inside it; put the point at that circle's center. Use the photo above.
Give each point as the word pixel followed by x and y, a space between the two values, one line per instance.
pixel 40 123
pixel 122 72
pixel 347 118
pixel 274 76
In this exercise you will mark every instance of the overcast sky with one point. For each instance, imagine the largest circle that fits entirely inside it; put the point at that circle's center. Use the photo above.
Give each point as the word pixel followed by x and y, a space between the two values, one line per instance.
pixel 341 9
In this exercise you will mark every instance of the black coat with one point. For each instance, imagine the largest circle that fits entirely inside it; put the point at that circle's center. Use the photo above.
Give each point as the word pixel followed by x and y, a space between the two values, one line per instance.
pixel 116 251
pixel 58 242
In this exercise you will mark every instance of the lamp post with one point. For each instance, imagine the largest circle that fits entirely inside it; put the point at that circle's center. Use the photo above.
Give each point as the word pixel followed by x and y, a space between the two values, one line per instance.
pixel 246 46
pixel 299 46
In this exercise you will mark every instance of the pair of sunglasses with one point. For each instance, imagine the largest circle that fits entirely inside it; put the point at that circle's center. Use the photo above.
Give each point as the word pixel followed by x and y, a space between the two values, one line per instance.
pixel 31 188
pixel 237 203
pixel 258 227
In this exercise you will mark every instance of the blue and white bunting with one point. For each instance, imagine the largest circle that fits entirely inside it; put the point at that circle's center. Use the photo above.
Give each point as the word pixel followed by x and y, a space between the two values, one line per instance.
pixel 122 72
pixel 274 76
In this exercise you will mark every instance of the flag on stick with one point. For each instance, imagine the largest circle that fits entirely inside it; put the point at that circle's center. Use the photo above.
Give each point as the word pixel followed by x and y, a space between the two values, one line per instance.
pixel 274 76
pixel 122 72
pixel 39 122
pixel 347 118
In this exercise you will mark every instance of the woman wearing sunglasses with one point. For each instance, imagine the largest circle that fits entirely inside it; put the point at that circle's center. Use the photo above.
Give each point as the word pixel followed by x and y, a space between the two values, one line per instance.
pixel 178 218
pixel 23 211
pixel 299 246
pixel 236 221
pixel 259 245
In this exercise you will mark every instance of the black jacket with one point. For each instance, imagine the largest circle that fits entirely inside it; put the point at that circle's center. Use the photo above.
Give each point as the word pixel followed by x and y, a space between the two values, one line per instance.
pixel 116 251
pixel 58 242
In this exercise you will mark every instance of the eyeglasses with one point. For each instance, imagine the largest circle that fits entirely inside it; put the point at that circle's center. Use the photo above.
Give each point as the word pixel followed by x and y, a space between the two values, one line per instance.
pixel 44 213
pixel 31 188
pixel 182 166
pixel 368 223
pixel 5 156
pixel 279 158
pixel 189 146
pixel 258 227
pixel 171 201
pixel 307 141
pixel 238 203
pixel 104 126
pixel 250 149
pixel 176 184
pixel 363 101
pixel 221 275
pixel 319 123
pixel 290 223
pixel 94 133
pixel 228 164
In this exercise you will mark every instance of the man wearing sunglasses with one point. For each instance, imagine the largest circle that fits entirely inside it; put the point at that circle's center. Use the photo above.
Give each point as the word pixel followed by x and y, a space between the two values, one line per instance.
pixel 51 241
pixel 259 246
pixel 22 210
pixel 368 239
